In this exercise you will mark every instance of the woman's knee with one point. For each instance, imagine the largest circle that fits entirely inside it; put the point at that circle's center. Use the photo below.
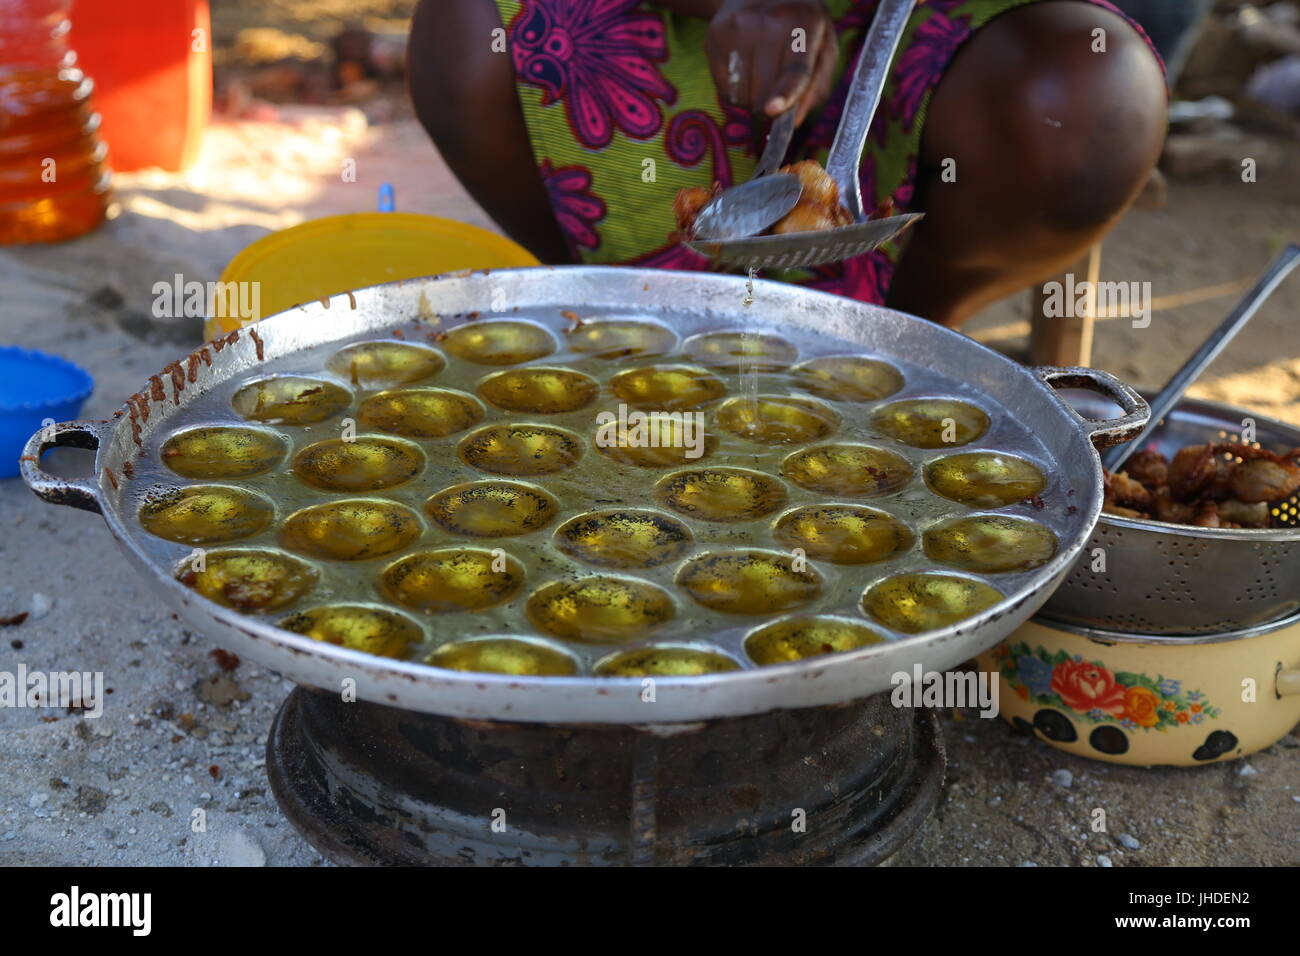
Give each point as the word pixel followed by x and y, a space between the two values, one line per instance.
pixel 1107 84
pixel 1069 104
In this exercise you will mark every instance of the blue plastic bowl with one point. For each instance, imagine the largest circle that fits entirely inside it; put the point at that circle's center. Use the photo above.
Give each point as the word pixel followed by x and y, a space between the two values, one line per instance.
pixel 35 387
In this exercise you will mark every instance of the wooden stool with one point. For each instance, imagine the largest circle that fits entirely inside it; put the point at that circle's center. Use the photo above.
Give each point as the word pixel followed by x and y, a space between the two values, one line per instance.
pixel 1067 340
pixel 1064 340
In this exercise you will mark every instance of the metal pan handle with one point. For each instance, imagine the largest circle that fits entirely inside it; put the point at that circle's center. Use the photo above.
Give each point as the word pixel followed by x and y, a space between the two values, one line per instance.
pixel 1107 432
pixel 80 493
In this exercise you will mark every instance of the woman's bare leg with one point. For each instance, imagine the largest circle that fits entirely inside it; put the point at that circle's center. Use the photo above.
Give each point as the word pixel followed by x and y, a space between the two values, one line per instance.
pixel 1051 141
pixel 464 95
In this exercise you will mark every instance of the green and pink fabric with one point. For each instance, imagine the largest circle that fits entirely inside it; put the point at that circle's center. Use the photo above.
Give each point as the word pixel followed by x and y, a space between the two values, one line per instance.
pixel 622 113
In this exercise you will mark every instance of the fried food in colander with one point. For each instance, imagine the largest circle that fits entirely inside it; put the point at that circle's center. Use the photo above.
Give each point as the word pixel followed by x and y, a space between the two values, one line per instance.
pixel 1211 485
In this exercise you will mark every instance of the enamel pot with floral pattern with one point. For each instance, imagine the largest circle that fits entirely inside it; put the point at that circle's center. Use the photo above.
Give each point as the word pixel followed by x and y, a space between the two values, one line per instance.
pixel 1138 699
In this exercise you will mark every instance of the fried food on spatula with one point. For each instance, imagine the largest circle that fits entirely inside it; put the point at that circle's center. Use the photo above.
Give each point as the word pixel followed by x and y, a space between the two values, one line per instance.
pixel 819 207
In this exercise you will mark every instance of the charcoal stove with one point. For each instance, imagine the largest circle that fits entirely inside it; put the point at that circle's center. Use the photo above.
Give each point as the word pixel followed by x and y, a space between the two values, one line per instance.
pixel 373 785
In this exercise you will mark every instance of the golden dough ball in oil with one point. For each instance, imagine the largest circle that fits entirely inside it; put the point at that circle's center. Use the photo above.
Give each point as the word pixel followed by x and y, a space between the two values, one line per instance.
pixel 499 342
pixel 600 610
pixel 625 539
pixel 206 515
pixel 670 388
pixel 931 422
pixel 452 579
pixel 538 390
pixel 290 400
pixel 421 412
pixel 843 534
pixel 381 364
pixel 365 464
pixel 847 469
pixel 985 479
pixel 847 378
pixel 653 439
pixel 222 451
pixel 667 660
pixel 776 420
pixel 504 655
pixel 249 581
pixel 520 450
pixel 748 582
pixel 721 494
pixel 741 351
pixel 913 603
pixel 492 509
pixel 621 338
pixel 358 628
pixel 798 638
pixel 992 544
pixel 350 530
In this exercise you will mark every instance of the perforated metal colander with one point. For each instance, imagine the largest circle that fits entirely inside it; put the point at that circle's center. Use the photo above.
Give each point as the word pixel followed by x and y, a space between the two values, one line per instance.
pixel 1148 577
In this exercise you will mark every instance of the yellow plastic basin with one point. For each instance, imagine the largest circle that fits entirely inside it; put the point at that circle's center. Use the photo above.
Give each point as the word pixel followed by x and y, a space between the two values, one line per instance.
pixel 327 256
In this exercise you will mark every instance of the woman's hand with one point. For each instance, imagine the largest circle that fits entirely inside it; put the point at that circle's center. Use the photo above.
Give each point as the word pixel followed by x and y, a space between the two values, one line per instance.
pixel 769 55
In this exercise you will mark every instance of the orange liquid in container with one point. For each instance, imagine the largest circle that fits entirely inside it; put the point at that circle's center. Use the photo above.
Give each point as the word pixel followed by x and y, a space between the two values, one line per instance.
pixel 54 183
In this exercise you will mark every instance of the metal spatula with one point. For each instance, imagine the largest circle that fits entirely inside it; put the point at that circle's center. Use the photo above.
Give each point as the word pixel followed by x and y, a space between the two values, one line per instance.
pixel 832 245
pixel 753 206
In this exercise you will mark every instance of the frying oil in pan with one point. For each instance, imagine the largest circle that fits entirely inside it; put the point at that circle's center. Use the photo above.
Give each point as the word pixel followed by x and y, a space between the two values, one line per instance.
pixel 605 497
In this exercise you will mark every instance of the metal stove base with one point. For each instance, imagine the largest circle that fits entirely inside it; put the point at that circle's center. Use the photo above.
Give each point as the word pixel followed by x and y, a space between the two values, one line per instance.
pixel 369 785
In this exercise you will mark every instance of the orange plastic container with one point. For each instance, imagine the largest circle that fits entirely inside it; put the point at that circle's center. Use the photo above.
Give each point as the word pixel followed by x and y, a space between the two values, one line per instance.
pixel 152 64
pixel 53 181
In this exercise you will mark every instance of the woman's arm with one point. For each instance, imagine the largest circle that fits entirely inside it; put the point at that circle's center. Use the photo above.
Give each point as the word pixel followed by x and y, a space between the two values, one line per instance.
pixel 767 55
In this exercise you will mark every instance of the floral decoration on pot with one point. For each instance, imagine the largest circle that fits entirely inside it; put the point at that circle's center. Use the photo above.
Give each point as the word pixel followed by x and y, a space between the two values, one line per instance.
pixel 1096 694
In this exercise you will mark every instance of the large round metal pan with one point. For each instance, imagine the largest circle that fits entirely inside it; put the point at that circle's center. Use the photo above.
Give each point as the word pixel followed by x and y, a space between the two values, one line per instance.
pixel 689 303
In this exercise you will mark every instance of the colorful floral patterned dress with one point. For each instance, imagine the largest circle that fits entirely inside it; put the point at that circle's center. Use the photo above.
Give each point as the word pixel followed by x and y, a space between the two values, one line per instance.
pixel 622 113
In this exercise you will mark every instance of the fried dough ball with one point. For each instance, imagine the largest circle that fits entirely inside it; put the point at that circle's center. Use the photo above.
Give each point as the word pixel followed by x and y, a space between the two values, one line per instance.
pixel 1149 467
pixel 805 217
pixel 1246 514
pixel 688 204
pixel 818 209
pixel 1127 492
pixel 1261 475
pixel 1164 508
pixel 818 187
pixel 819 205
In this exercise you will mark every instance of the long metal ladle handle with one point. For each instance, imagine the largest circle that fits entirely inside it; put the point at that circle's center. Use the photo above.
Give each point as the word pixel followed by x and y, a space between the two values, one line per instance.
pixel 863 98
pixel 1170 395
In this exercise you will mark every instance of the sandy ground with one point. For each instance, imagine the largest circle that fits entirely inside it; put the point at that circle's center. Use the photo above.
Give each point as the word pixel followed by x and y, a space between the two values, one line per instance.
pixel 1213 234
pixel 123 788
